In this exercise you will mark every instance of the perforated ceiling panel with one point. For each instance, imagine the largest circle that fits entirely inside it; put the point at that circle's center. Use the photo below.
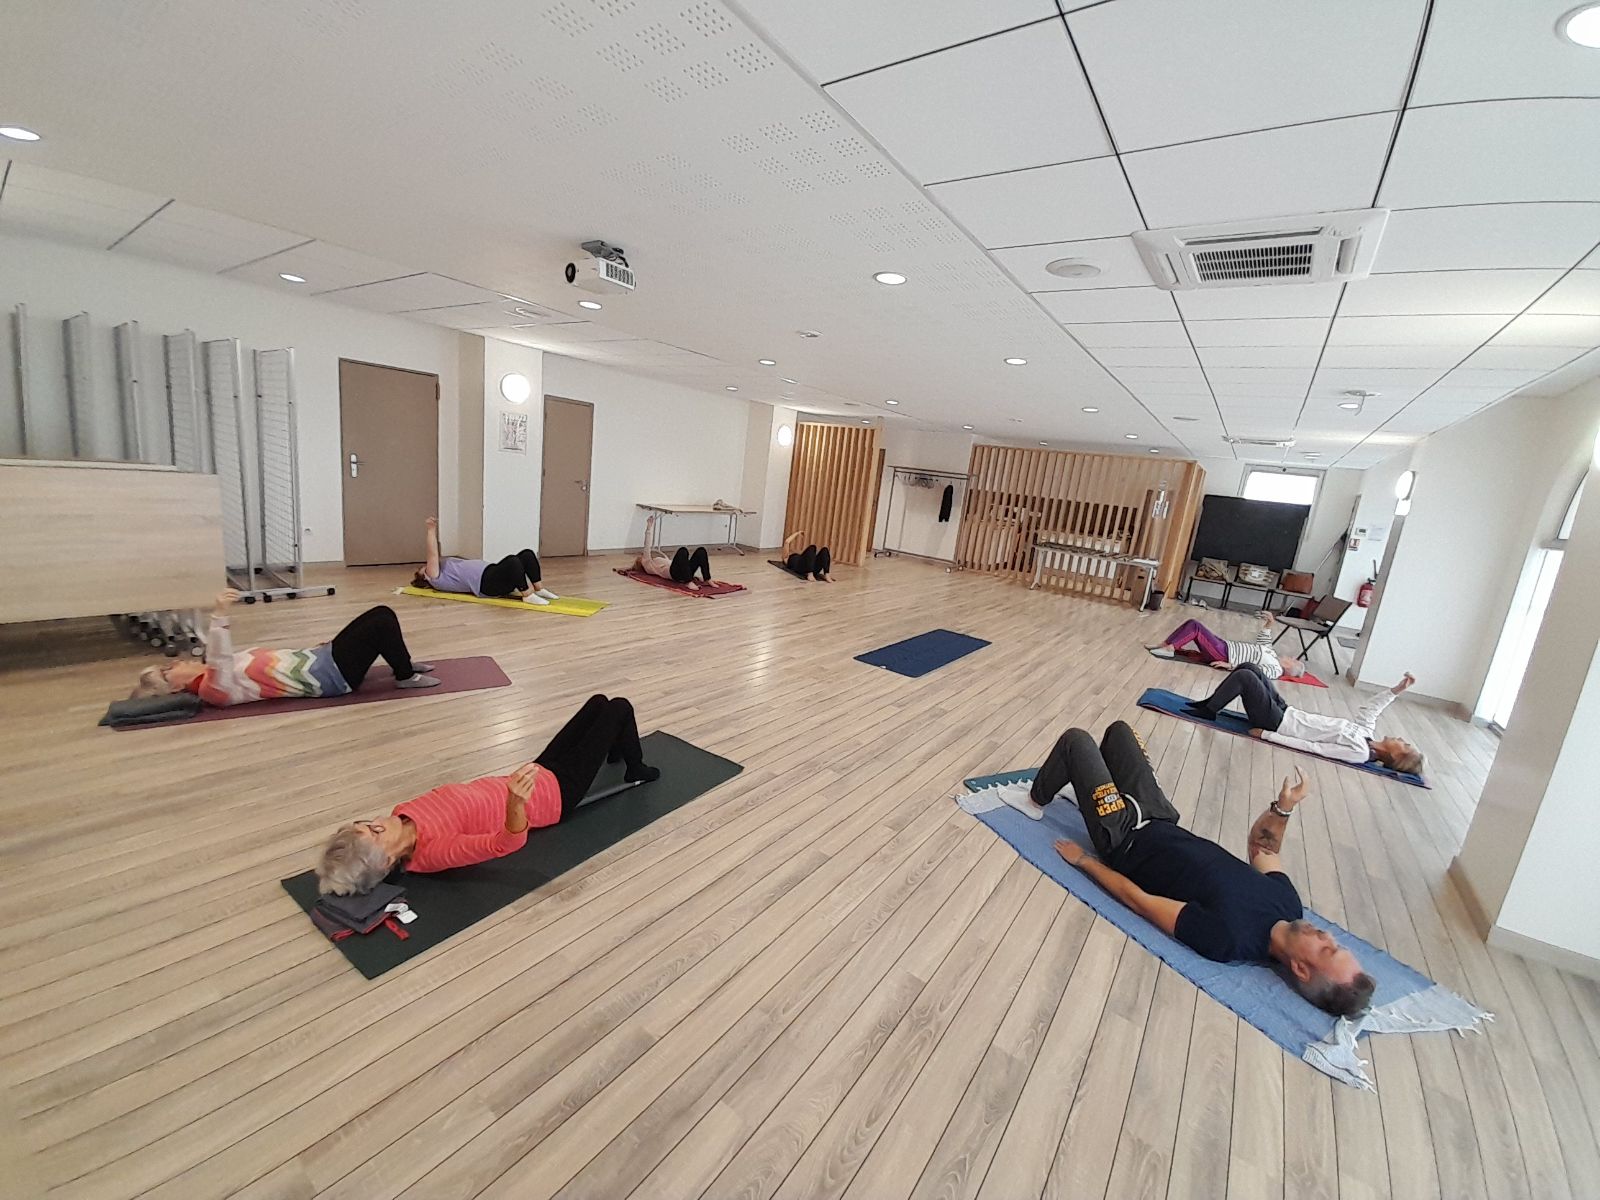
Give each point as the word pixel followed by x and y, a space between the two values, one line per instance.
pixel 759 166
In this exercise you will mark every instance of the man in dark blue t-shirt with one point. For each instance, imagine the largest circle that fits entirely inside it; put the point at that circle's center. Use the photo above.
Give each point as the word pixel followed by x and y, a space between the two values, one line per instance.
pixel 1187 885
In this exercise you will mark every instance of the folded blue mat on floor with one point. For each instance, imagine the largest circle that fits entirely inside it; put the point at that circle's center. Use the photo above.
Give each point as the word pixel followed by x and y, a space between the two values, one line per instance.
pixel 1405 1001
pixel 1162 701
pixel 926 652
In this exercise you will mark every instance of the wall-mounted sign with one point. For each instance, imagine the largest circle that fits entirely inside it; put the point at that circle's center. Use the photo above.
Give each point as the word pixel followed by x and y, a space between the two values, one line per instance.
pixel 514 432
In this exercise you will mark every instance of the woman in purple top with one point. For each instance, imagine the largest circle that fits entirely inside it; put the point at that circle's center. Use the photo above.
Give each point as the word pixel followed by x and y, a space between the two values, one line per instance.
pixel 515 575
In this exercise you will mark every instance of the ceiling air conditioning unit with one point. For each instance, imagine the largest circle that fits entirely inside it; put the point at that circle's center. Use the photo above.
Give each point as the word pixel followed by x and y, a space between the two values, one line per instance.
pixel 1320 248
pixel 1279 443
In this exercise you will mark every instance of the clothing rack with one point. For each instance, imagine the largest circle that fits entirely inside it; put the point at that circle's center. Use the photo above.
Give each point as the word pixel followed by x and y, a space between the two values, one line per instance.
pixel 917 477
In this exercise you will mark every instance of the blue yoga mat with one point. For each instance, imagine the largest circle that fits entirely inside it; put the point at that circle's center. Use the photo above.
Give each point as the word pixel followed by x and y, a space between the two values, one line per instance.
pixel 1162 701
pixel 1406 1001
pixel 915 657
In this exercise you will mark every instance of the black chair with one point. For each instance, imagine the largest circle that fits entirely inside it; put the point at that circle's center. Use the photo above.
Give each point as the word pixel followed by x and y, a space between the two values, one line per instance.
pixel 1319 627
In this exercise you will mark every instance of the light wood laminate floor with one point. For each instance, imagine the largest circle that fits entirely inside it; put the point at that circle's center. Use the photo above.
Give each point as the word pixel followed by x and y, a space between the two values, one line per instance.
pixel 819 980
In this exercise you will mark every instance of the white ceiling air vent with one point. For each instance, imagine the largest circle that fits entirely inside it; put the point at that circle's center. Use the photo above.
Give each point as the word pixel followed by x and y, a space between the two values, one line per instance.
pixel 1319 248
pixel 1281 443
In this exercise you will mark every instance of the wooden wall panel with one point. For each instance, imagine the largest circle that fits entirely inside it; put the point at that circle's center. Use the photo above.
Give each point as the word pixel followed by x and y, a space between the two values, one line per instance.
pixel 833 488
pixel 1107 504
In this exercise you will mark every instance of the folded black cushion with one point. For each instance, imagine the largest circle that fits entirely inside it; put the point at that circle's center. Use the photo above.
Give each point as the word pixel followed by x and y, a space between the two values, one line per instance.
pixel 362 912
pixel 153 710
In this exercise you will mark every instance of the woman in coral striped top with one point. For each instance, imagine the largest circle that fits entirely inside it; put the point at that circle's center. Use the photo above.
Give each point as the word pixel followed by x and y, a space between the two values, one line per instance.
pixel 334 668
pixel 458 824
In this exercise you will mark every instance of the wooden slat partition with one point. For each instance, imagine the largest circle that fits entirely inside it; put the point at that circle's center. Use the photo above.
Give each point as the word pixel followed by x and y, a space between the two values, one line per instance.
pixel 1108 504
pixel 833 487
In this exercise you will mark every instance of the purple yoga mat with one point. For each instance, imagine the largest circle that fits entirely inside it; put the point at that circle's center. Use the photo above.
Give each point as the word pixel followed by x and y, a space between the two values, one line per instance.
pixel 706 591
pixel 454 675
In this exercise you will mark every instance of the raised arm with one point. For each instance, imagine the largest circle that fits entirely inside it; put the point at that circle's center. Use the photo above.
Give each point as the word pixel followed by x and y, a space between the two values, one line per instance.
pixel 431 570
pixel 219 643
pixel 1266 835
pixel 1160 911
pixel 793 537
pixel 1264 631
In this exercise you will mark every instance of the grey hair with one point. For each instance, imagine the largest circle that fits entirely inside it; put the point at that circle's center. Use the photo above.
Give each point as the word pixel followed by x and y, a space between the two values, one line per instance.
pixel 1341 999
pixel 152 683
pixel 351 863
pixel 1408 760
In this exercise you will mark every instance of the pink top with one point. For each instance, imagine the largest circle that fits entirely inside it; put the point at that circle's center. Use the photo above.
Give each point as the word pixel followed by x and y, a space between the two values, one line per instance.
pixel 459 824
pixel 655 565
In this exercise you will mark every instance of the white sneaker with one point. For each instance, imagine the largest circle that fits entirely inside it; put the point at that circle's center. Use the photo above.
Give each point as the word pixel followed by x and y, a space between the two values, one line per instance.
pixel 1020 797
pixel 534 598
pixel 547 594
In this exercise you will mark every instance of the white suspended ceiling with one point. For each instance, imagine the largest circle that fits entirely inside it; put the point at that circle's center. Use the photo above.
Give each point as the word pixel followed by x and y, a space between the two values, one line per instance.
pixel 761 161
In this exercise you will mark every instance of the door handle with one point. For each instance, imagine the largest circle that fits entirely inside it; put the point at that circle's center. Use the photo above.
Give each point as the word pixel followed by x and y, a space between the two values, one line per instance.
pixel 355 464
pixel 583 484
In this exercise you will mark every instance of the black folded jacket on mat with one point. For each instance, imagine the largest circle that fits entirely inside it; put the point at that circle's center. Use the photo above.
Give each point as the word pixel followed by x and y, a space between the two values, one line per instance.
pixel 362 913
pixel 152 710
pixel 447 902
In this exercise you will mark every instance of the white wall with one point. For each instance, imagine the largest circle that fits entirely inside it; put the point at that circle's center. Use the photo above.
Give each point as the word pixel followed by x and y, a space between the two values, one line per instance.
pixel 766 475
pixel 511 480
pixel 58 281
pixel 656 442
pixel 1530 853
pixel 1481 488
pixel 1375 514
pixel 913 518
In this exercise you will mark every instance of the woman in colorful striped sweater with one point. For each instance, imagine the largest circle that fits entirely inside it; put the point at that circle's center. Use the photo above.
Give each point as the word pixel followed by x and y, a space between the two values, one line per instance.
pixel 332 669
pixel 1225 655
pixel 458 824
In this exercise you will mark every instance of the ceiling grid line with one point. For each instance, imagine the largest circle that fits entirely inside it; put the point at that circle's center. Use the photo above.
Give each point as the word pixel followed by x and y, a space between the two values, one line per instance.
pixel 1405 99
pixel 165 204
pixel 899 62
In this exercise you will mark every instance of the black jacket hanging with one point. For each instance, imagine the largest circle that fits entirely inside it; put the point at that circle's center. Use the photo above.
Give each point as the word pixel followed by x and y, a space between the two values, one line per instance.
pixel 945 504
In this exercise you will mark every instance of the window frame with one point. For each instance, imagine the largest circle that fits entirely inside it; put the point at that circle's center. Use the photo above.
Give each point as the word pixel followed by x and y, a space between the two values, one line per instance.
pixel 1316 476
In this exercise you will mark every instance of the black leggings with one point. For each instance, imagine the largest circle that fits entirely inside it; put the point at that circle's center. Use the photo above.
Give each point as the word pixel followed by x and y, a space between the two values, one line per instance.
pixel 602 729
pixel 1102 776
pixel 684 564
pixel 373 635
pixel 1246 683
pixel 512 575
pixel 810 561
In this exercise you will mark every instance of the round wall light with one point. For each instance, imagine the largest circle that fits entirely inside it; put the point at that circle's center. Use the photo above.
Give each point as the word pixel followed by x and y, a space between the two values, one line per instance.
pixel 785 435
pixel 515 388
pixel 1403 485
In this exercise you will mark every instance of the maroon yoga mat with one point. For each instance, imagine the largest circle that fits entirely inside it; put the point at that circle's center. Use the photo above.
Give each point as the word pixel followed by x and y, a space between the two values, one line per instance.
pixel 454 675
pixel 1194 656
pixel 707 591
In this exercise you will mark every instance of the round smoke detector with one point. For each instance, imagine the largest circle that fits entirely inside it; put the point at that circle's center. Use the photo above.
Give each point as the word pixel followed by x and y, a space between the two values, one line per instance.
pixel 1072 268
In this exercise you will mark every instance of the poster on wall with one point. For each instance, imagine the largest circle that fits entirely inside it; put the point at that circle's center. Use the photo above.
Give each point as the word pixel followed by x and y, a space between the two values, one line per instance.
pixel 514 432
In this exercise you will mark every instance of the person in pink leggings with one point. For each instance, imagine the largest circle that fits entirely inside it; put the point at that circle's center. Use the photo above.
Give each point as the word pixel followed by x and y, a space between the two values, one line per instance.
pixel 1225 655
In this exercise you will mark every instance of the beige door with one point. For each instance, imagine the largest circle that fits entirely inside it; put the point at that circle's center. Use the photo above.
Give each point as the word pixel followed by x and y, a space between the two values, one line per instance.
pixel 564 495
pixel 389 427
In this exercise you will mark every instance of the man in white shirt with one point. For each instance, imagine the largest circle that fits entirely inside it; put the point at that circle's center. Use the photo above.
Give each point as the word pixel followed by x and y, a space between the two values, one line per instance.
pixel 1338 738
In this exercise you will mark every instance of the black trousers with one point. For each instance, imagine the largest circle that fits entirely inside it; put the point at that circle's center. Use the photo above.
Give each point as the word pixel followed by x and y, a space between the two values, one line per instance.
pixel 684 564
pixel 1245 683
pixel 513 574
pixel 810 561
pixel 1102 776
pixel 603 728
pixel 373 635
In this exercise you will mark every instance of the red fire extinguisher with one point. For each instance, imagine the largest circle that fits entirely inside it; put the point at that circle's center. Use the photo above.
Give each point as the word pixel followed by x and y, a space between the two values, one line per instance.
pixel 1364 592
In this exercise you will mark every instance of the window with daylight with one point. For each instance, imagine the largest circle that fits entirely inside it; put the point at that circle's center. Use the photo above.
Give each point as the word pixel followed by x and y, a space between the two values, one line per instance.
pixel 1285 487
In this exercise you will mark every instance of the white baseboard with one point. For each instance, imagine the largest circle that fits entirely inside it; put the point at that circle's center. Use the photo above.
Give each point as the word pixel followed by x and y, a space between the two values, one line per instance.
pixel 1556 956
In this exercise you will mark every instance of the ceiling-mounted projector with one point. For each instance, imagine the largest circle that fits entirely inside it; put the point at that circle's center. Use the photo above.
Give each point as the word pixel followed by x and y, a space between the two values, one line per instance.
pixel 605 269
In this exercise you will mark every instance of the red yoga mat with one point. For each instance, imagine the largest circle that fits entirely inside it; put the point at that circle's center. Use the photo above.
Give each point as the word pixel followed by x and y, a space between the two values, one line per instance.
pixel 1201 660
pixel 454 675
pixel 706 591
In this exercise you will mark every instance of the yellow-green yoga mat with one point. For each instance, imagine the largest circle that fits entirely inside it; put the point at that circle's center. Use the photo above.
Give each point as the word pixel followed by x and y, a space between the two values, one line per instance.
pixel 567 606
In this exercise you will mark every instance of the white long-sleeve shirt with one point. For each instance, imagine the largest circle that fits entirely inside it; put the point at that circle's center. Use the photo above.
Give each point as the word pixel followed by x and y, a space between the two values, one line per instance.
pixel 1339 738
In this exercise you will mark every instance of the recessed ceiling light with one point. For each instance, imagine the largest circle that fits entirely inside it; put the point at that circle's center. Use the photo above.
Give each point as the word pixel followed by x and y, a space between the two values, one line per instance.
pixel 288 278
pixel 1016 362
pixel 891 278
pixel 808 333
pixel 1185 418
pixel 891 402
pixel 767 362
pixel 866 420
pixel 1132 437
pixel 592 304
pixel 1581 26
pixel 18 134
pixel 1312 454
pixel 1153 450
pixel 786 379
pixel 1072 268
pixel 1091 410
pixel 730 388
pixel 966 427
pixel 1044 443
pixel 1351 406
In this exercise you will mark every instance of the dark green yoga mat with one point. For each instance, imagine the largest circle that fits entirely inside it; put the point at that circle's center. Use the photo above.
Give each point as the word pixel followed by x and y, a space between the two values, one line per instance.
pixel 446 902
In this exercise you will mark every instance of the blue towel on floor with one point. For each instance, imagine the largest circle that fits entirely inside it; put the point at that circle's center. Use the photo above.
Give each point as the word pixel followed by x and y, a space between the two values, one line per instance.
pixel 926 652
pixel 1163 701
pixel 1405 1001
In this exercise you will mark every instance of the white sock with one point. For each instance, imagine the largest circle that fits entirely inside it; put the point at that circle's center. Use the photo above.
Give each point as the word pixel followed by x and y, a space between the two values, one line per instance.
pixel 534 598
pixel 546 593
pixel 1020 797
